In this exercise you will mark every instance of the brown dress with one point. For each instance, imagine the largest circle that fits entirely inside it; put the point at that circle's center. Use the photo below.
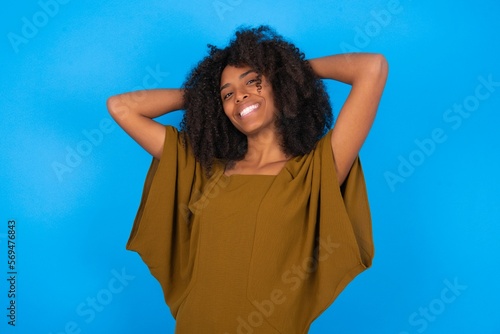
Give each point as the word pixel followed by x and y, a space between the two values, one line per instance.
pixel 251 253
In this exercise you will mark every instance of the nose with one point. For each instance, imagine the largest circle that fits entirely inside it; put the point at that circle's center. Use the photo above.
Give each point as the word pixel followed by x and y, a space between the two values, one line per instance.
pixel 241 96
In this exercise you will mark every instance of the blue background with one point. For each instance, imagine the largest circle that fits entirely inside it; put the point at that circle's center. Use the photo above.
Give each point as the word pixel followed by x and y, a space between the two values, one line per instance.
pixel 436 219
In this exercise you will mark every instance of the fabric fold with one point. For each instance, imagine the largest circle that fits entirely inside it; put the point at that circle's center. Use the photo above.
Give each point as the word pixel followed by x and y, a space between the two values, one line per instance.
pixel 306 238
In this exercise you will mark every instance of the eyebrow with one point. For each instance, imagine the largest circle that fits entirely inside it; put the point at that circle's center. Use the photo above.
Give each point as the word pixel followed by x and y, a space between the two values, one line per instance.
pixel 241 77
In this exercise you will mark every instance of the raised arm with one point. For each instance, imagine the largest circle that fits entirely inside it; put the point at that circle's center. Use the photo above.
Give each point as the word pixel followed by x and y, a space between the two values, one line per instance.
pixel 135 111
pixel 367 74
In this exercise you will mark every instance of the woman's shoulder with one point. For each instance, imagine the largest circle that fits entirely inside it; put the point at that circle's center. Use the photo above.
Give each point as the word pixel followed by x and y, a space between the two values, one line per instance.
pixel 308 162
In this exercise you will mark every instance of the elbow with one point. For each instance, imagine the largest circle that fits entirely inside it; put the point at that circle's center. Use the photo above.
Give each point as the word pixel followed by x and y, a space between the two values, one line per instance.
pixel 111 104
pixel 116 108
pixel 380 66
pixel 375 70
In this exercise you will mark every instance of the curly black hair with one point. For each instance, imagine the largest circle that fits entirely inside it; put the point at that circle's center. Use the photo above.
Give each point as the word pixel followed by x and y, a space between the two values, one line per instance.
pixel 304 111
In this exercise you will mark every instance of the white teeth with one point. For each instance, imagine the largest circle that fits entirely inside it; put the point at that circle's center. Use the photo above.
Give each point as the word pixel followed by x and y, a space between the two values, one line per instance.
pixel 248 110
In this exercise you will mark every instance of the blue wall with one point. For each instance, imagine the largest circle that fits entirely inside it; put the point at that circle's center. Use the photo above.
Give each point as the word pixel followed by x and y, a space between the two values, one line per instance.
pixel 71 179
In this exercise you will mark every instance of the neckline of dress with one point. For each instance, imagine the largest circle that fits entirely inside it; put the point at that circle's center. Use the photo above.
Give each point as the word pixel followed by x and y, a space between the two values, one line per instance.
pixel 223 169
pixel 250 175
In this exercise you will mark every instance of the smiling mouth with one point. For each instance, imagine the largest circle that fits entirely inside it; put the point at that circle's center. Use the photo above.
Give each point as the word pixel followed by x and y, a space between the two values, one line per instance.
pixel 248 110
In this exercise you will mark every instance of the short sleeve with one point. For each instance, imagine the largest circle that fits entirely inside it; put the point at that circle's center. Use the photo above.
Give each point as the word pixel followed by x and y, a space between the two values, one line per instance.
pixel 161 232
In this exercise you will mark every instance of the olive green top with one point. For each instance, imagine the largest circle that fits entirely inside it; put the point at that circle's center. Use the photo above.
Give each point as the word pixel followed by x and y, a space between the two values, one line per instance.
pixel 251 253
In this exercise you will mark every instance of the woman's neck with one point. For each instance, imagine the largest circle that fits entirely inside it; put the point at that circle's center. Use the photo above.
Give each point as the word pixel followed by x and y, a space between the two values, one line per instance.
pixel 264 156
pixel 264 148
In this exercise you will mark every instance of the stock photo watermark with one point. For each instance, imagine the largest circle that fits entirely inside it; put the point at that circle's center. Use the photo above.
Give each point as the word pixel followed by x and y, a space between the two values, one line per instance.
pixel 380 19
pixel 74 155
pixel 222 6
pixel 88 310
pixel 12 272
pixel 30 27
pixel 151 80
pixel 454 117
pixel 94 137
pixel 202 199
pixel 425 315
pixel 293 278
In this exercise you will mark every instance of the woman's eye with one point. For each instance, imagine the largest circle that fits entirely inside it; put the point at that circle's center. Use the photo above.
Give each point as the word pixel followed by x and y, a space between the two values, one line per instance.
pixel 251 81
pixel 225 97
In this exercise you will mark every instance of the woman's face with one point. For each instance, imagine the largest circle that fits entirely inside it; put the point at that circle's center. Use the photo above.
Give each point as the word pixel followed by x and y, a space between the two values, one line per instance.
pixel 250 110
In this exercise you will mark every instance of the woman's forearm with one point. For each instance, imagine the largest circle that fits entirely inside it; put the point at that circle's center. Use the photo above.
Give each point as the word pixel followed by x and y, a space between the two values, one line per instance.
pixel 349 67
pixel 148 103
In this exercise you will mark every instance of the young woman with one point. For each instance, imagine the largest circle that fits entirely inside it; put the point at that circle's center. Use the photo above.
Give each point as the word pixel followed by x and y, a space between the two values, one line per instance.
pixel 254 216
